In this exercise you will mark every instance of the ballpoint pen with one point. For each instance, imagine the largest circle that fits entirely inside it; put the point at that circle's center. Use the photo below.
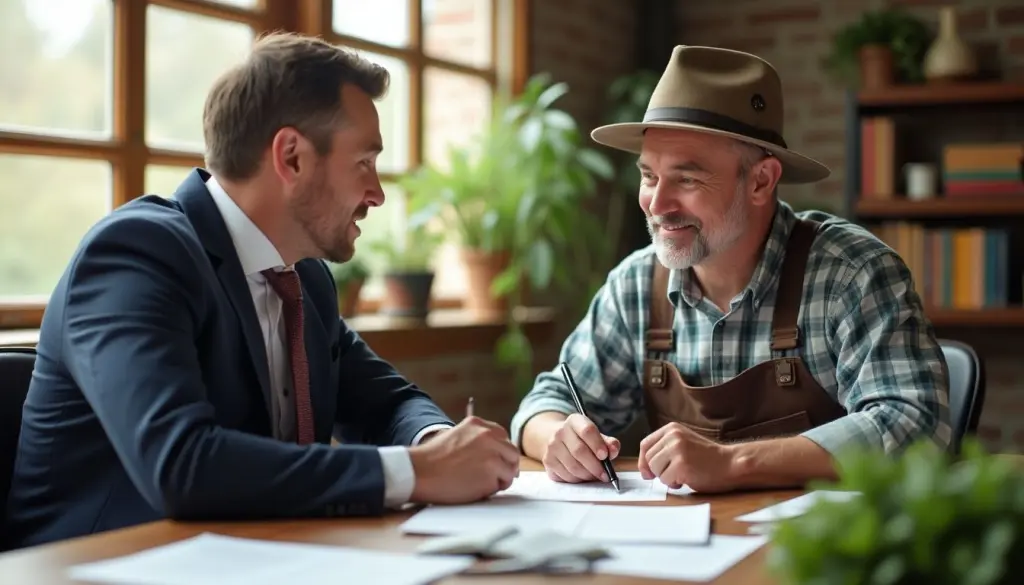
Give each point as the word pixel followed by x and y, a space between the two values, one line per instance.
pixel 606 462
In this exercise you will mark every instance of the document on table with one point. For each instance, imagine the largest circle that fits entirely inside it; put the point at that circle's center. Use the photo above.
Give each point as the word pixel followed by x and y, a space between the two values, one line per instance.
pixel 604 523
pixel 679 563
pixel 536 485
pixel 212 559
pixel 796 506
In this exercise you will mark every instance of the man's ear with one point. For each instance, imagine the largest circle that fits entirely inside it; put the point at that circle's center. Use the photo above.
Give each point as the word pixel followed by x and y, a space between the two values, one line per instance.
pixel 765 177
pixel 286 152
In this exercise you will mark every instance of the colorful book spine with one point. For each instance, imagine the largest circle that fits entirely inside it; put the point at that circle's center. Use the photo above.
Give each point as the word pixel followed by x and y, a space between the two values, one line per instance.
pixel 978 170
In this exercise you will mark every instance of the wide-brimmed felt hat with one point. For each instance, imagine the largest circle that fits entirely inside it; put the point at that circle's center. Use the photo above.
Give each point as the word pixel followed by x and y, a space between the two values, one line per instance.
pixel 718 91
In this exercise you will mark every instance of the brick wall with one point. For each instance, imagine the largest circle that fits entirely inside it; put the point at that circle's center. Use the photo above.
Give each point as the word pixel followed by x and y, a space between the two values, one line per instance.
pixel 794 35
pixel 584 43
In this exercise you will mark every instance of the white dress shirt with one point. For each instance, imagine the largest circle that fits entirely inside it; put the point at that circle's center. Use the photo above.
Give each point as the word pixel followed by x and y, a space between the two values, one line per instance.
pixel 257 254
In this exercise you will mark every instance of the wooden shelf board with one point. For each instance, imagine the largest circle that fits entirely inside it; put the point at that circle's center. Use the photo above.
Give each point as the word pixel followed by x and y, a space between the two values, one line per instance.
pixel 995 317
pixel 967 206
pixel 979 92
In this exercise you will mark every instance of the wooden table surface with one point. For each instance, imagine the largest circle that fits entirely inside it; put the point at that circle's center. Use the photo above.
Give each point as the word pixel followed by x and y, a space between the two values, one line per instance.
pixel 47 564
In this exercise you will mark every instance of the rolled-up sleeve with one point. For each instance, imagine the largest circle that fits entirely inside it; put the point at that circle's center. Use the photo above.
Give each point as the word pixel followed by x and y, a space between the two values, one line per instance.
pixel 890 369
pixel 601 356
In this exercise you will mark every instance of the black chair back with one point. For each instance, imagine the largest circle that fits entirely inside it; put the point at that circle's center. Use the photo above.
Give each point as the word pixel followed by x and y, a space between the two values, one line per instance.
pixel 16 364
pixel 966 389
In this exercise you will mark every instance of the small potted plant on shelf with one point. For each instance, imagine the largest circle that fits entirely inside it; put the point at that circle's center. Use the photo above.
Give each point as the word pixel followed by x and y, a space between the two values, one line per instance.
pixel 884 47
pixel 920 517
pixel 349 278
pixel 408 272
pixel 516 200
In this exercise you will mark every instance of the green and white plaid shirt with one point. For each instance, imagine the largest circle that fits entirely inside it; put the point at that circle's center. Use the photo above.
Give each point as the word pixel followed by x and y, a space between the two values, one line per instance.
pixel 865 340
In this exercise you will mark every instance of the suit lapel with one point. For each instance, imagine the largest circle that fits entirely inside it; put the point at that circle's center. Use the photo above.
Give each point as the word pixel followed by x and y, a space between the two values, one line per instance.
pixel 202 212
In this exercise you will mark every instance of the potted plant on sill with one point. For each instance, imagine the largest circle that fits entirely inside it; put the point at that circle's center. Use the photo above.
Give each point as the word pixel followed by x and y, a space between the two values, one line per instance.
pixel 349 278
pixel 882 48
pixel 408 272
pixel 516 200
pixel 923 516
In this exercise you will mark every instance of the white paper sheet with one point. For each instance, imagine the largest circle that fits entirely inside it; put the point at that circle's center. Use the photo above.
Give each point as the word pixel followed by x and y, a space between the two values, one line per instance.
pixel 525 515
pixel 213 559
pixel 680 563
pixel 599 523
pixel 796 506
pixel 647 524
pixel 536 485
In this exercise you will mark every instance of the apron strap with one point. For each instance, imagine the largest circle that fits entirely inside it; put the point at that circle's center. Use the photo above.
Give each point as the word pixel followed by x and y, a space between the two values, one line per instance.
pixel 660 337
pixel 785 333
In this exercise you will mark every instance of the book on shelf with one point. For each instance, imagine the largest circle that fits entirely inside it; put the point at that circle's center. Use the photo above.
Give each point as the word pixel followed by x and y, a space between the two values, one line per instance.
pixel 878 157
pixel 995 168
pixel 953 268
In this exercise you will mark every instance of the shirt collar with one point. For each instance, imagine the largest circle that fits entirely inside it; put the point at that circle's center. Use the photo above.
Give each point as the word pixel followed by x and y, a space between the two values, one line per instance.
pixel 683 285
pixel 255 251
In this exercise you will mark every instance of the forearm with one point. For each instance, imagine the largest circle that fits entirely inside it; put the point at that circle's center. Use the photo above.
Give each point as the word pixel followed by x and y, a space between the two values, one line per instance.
pixel 538 431
pixel 779 463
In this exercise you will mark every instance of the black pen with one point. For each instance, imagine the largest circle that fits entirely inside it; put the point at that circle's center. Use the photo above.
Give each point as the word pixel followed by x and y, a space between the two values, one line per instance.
pixel 567 375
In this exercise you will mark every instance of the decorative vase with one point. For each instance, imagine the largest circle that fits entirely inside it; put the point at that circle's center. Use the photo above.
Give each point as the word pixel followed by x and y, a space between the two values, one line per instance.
pixel 876 67
pixel 949 57
pixel 481 270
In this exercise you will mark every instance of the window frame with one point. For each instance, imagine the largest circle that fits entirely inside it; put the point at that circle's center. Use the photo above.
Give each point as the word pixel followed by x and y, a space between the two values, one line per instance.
pixel 129 155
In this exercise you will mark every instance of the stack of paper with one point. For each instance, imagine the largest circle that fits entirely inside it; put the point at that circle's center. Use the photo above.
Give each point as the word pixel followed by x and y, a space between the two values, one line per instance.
pixel 211 559
pixel 536 485
pixel 796 506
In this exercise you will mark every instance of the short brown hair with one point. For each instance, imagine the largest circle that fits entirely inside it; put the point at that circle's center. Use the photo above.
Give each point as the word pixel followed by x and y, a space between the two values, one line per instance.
pixel 287 80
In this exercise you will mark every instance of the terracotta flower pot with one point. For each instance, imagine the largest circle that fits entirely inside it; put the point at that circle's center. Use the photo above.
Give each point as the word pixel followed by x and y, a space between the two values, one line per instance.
pixel 407 294
pixel 481 270
pixel 876 67
pixel 348 297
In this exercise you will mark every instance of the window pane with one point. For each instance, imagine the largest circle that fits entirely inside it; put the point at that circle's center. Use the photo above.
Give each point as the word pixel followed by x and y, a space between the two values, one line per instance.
pixel 382 223
pixel 46 206
pixel 240 3
pixel 458 30
pixel 56 67
pixel 457 108
pixel 380 21
pixel 393 111
pixel 164 180
pixel 185 53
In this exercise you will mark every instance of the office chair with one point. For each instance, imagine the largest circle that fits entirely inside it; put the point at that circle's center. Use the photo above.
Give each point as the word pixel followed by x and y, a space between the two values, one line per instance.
pixel 16 364
pixel 966 389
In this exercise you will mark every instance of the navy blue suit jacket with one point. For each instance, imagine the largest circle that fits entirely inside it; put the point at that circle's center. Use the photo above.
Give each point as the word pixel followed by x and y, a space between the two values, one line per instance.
pixel 150 396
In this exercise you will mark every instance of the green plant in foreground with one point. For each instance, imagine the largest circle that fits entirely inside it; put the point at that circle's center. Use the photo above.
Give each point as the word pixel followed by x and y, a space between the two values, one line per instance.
pixel 922 518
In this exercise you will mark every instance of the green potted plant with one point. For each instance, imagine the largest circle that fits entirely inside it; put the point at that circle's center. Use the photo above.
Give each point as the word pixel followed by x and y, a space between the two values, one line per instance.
pixel 516 201
pixel 408 273
pixel 923 517
pixel 349 278
pixel 881 48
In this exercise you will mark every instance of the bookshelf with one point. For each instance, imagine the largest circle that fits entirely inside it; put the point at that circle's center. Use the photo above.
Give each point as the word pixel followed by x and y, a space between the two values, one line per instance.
pixel 965 242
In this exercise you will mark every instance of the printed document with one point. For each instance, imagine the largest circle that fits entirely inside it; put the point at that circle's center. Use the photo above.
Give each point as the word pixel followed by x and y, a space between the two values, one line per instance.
pixel 213 559
pixel 536 485
pixel 679 563
pixel 797 506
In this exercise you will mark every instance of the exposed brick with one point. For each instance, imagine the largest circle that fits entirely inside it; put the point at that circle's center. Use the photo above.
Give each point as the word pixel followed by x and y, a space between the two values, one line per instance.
pixel 797 90
pixel 972 20
pixel 828 188
pixel 1015 46
pixel 1010 15
pixel 786 15
pixel 708 24
pixel 822 136
pixel 919 2
pixel 751 44
pixel 806 38
pixel 824 110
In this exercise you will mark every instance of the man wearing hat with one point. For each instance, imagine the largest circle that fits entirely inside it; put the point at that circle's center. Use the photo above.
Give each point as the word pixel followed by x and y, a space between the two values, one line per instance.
pixel 755 341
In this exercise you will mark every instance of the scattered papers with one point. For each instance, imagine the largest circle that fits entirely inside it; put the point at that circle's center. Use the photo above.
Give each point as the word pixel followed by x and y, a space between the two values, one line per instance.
pixel 536 485
pixel 796 506
pixel 600 523
pixel 212 559
pixel 679 563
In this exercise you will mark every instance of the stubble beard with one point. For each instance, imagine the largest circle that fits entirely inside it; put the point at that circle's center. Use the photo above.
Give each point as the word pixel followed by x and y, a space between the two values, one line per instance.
pixel 703 245
pixel 311 209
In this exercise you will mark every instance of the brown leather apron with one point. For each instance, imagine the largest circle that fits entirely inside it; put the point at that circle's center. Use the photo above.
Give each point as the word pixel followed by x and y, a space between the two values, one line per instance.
pixel 775 398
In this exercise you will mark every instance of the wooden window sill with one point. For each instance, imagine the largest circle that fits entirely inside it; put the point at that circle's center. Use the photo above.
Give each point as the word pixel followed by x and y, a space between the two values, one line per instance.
pixel 444 332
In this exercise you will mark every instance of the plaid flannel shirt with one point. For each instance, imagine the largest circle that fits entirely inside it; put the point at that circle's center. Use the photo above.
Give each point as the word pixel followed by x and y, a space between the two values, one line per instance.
pixel 865 340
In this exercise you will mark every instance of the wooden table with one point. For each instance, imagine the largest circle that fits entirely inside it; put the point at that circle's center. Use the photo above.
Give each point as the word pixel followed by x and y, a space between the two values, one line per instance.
pixel 47 564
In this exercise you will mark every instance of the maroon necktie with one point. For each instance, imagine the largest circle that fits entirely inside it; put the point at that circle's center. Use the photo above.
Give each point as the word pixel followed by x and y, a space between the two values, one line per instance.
pixel 287 286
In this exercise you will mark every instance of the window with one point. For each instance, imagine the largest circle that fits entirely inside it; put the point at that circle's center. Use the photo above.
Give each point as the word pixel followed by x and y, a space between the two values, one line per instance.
pixel 103 99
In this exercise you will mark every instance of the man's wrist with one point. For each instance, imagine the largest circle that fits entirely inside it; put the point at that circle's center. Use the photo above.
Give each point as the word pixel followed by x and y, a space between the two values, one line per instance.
pixel 537 432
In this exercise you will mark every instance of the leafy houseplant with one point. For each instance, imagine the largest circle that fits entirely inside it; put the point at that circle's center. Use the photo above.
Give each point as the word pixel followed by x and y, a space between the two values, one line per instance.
pixel 921 518
pixel 515 198
pixel 408 273
pixel 349 278
pixel 881 48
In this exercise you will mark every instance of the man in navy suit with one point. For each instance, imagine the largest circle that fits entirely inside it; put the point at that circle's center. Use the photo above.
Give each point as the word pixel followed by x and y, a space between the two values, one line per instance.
pixel 192 363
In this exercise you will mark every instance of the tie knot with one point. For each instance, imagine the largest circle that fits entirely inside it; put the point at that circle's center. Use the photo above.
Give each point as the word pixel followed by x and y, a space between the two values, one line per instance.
pixel 285 283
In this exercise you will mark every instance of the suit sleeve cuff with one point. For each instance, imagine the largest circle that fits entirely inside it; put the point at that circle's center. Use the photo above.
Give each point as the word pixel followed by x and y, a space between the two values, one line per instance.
pixel 399 476
pixel 427 430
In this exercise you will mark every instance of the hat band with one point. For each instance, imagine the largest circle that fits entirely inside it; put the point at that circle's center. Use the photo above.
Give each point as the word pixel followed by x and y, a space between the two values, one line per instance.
pixel 712 120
